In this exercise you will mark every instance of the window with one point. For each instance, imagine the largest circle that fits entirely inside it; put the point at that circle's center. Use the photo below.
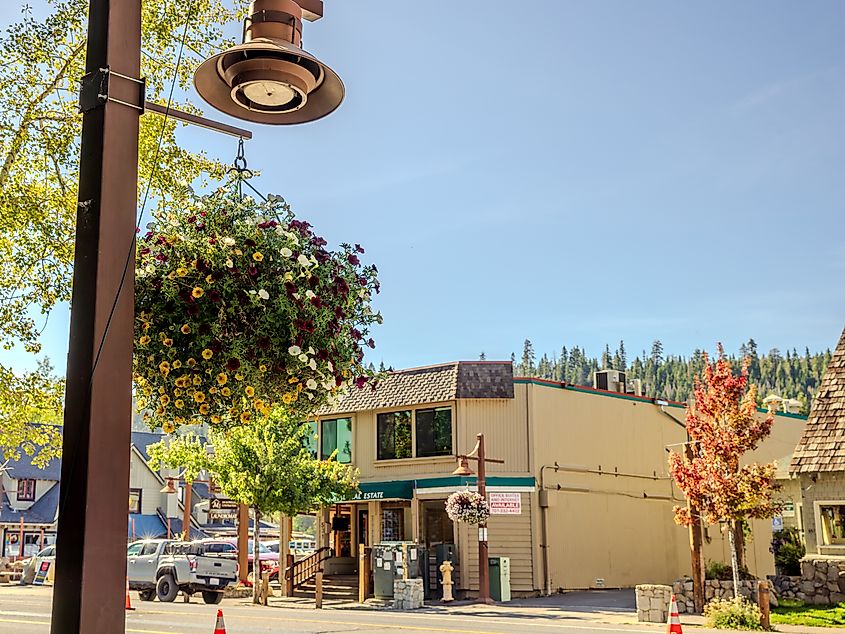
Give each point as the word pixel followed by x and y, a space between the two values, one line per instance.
pixel 150 548
pixel 219 548
pixel 310 440
pixel 134 549
pixel 833 524
pixel 394 435
pixel 26 490
pixel 135 501
pixel 337 436
pixel 434 432
pixel 392 525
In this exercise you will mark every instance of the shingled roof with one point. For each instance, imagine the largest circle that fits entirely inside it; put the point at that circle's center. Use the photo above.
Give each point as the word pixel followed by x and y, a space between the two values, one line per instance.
pixel 822 447
pixel 430 384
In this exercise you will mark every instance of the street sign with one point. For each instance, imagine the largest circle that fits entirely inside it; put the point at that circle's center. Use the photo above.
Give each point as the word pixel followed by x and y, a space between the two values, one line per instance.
pixel 41 575
pixel 502 503
pixel 788 509
pixel 222 510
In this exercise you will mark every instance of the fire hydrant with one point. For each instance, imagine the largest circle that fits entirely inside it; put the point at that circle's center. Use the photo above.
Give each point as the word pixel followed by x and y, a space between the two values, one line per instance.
pixel 446 571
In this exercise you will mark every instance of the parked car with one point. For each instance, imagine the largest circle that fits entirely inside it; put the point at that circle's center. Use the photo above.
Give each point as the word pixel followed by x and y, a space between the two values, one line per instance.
pixel 31 565
pixel 299 548
pixel 229 547
pixel 162 568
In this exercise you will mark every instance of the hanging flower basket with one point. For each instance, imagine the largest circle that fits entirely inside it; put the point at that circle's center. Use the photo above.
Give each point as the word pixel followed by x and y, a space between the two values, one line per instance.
pixel 240 307
pixel 468 507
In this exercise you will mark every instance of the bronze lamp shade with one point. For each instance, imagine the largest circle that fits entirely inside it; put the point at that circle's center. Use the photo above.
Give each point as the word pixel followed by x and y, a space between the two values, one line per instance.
pixel 269 78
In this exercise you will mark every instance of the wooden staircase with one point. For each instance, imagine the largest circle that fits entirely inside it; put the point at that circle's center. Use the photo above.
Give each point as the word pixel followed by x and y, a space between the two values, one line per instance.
pixel 337 588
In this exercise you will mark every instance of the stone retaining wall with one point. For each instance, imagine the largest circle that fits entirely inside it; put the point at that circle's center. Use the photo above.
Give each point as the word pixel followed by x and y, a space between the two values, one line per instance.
pixel 653 603
pixel 822 580
pixel 407 594
pixel 713 589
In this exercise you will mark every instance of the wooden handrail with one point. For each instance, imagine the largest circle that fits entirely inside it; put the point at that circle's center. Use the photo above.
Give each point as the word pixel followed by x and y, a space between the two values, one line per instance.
pixel 300 572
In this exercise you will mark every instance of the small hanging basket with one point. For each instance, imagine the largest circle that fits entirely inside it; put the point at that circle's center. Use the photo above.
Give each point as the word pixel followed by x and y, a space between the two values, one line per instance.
pixel 467 507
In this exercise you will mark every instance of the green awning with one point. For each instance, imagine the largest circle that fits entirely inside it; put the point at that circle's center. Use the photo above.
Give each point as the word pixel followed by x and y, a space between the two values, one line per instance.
pixel 391 490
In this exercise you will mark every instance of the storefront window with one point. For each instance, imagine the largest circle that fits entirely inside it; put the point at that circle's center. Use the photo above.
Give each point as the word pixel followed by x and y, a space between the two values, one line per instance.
pixel 434 432
pixel 310 440
pixel 833 524
pixel 337 436
pixel 134 500
pixel 392 525
pixel 394 435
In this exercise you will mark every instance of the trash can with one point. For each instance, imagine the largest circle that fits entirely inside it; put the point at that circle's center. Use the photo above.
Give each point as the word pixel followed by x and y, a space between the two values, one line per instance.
pixel 500 578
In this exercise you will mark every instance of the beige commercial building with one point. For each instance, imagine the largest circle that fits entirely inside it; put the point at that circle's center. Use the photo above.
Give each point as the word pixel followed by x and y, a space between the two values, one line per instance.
pixel 604 518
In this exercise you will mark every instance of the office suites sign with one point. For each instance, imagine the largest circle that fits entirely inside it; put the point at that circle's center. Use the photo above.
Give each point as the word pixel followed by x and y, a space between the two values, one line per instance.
pixel 502 503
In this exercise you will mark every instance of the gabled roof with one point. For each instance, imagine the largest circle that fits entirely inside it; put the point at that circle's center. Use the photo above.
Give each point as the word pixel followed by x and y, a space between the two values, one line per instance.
pixel 822 447
pixel 44 511
pixel 430 384
pixel 23 469
pixel 142 439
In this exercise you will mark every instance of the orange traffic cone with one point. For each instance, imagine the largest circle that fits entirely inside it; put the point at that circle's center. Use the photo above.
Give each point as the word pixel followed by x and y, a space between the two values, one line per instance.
pixel 673 625
pixel 128 605
pixel 219 626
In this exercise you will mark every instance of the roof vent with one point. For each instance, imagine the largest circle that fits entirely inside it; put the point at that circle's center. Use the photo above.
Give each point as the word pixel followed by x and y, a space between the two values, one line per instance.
pixel 610 380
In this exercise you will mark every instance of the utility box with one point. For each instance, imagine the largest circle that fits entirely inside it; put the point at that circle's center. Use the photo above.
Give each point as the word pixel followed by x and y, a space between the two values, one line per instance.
pixel 500 578
pixel 395 560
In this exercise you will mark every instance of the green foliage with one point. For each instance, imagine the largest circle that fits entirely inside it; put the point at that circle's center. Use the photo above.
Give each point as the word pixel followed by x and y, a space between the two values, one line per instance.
pixel 39 162
pixel 732 614
pixel 788 549
pixel 797 613
pixel 264 465
pixel 792 375
pixel 723 572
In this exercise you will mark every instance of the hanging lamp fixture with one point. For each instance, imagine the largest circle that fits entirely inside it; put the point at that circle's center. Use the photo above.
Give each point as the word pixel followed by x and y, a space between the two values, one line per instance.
pixel 270 78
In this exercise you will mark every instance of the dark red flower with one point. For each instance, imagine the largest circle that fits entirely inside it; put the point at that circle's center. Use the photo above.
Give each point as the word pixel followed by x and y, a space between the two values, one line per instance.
pixel 249 242
pixel 361 381
pixel 193 310
pixel 212 240
pixel 323 354
pixel 359 248
pixel 264 343
pixel 317 241
pixel 233 364
pixel 316 302
pixel 371 343
pixel 216 346
pixel 252 271
pixel 353 259
pixel 145 251
pixel 192 219
pixel 205 329
pixel 214 296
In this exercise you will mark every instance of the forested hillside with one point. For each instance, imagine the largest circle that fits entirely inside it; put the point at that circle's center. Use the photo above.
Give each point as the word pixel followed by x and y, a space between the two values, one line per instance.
pixel 788 374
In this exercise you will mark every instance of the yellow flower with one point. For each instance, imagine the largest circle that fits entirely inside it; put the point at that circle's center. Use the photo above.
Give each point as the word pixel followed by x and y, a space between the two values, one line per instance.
pixel 186 329
pixel 159 411
pixel 262 367
pixel 164 398
pixel 164 368
pixel 215 419
pixel 181 271
pixel 212 390
pixel 197 379
pixel 161 390
pixel 168 427
pixel 250 391
pixel 168 342
pixel 197 292
pixel 190 391
pixel 199 397
pixel 207 354
pixel 226 391
pixel 177 364
pixel 204 408
pixel 179 403
pixel 144 340
pixel 209 279
pixel 145 327
pixel 257 256
pixel 222 378
pixel 179 419
pixel 258 404
pixel 288 398
pixel 293 379
pixel 245 416
pixel 288 277
pixel 148 390
pixel 239 377
pixel 191 362
pixel 178 392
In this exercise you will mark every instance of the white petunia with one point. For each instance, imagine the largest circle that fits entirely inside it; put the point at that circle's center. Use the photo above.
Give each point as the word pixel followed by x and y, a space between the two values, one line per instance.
pixel 295 351
pixel 310 294
pixel 229 242
pixel 303 260
pixel 330 366
pixel 312 364
pixel 229 263
pixel 311 384
pixel 296 295
pixel 303 358
pixel 286 252
pixel 310 349
pixel 252 292
pixel 263 294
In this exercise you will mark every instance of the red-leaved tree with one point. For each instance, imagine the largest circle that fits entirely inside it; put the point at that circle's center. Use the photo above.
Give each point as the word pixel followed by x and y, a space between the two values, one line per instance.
pixel 723 425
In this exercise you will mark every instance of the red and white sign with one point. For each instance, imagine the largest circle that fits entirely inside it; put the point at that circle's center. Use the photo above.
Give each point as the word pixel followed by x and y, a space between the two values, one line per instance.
pixel 504 503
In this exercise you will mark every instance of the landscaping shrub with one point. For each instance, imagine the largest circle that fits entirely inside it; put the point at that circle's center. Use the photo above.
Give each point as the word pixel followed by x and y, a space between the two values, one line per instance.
pixel 732 614
pixel 788 550
pixel 724 572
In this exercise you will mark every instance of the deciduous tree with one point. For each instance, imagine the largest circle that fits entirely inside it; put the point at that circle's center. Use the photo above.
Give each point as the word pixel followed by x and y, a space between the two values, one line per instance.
pixel 723 425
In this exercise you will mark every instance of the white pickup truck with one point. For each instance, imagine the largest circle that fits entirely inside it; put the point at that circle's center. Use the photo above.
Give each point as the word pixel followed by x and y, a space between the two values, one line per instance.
pixel 160 567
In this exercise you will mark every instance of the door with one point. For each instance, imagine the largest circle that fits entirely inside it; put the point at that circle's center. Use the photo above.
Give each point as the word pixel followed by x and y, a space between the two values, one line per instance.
pixel 131 558
pixel 147 562
pixel 363 527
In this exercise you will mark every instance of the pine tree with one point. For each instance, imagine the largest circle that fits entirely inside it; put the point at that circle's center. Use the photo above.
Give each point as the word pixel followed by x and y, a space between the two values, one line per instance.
pixel 622 356
pixel 657 352
pixel 527 365
pixel 606 359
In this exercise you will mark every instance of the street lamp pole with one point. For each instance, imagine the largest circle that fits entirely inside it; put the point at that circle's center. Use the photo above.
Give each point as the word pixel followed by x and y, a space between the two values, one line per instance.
pixel 91 536
pixel 479 454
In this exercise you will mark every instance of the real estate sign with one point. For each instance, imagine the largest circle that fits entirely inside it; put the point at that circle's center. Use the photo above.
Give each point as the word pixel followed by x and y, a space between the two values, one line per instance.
pixel 219 509
pixel 502 503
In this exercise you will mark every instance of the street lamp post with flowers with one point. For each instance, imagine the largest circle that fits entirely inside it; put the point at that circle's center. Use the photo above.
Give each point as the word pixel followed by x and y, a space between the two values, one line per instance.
pixel 478 454
pixel 269 79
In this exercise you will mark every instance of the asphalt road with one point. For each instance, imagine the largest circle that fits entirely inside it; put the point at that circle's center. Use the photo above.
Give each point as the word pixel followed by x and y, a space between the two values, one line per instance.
pixel 26 609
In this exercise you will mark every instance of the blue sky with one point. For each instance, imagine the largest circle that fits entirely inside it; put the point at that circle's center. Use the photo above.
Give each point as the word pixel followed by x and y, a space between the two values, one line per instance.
pixel 582 173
